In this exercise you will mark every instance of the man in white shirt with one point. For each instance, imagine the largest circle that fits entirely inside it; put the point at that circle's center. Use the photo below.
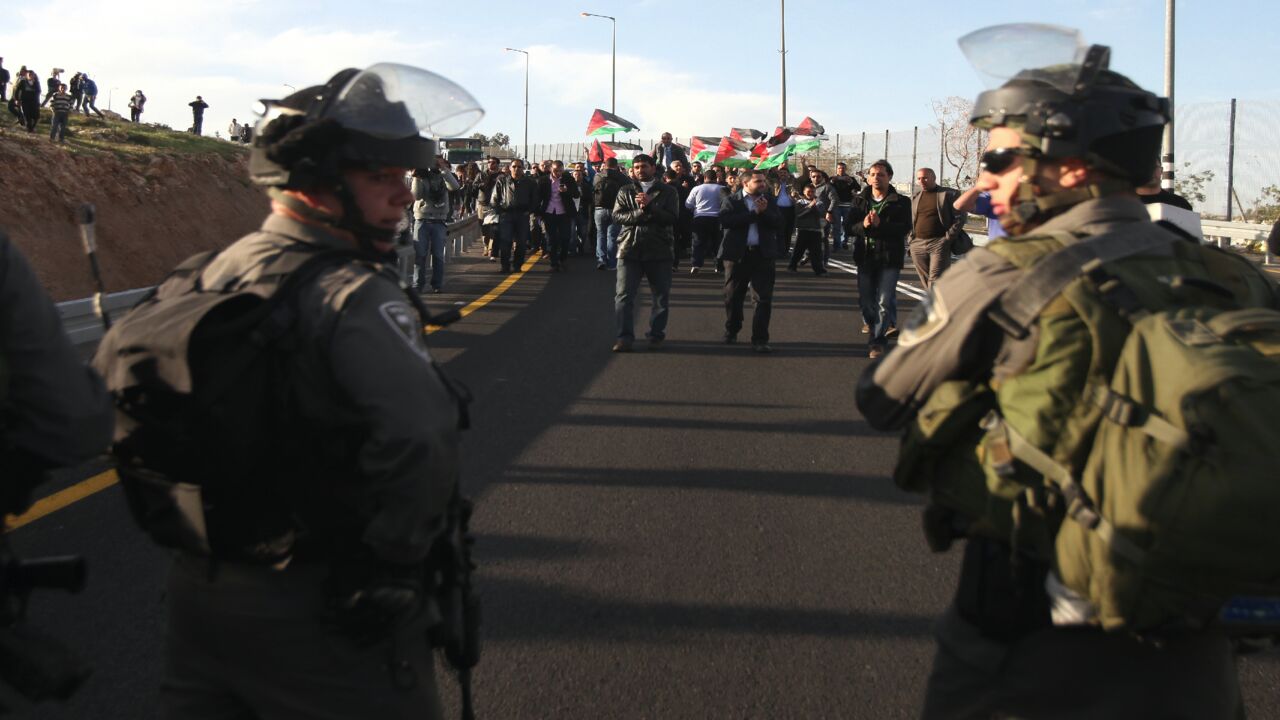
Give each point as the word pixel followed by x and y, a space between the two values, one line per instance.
pixel 704 200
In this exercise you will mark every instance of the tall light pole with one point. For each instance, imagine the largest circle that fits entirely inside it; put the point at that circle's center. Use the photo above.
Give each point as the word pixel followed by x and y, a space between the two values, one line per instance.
pixel 613 86
pixel 783 53
pixel 1166 150
pixel 526 99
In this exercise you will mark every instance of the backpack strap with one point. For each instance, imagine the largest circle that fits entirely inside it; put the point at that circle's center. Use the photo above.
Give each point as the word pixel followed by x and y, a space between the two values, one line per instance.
pixel 276 317
pixel 1018 307
pixel 1079 507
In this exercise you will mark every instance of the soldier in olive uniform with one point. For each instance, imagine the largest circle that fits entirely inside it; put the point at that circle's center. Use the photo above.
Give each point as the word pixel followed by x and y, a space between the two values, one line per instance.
pixel 1068 144
pixel 339 630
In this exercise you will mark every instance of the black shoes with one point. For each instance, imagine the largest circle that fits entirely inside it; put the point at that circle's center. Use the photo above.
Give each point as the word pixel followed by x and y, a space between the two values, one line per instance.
pixel 762 348
pixel 730 338
pixel 622 345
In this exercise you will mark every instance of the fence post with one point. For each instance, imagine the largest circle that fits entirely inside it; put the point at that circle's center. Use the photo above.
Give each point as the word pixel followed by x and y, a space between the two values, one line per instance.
pixel 1231 158
pixel 862 158
pixel 915 139
pixel 886 145
pixel 837 162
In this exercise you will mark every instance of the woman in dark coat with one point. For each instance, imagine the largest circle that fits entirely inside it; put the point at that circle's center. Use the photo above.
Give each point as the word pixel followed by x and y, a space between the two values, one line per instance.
pixel 28 92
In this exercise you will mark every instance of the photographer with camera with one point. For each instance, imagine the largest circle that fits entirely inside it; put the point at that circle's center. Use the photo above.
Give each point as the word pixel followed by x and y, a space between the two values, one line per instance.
pixel 431 188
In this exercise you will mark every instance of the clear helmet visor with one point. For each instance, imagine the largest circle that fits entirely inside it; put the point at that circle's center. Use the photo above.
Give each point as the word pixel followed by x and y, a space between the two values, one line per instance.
pixel 393 101
pixel 1034 51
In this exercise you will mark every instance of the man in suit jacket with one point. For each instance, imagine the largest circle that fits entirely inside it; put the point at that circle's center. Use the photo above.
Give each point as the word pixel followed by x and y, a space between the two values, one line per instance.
pixel 556 193
pixel 935 223
pixel 667 152
pixel 751 246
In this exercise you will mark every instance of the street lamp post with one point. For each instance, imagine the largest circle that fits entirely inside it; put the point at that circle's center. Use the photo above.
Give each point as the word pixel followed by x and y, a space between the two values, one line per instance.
pixel 613 85
pixel 526 99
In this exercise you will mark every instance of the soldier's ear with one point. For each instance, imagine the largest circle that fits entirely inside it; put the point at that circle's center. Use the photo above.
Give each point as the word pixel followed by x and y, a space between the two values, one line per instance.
pixel 1071 172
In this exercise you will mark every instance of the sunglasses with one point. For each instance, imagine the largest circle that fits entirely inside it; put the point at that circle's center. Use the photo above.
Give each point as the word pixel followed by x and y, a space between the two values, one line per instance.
pixel 1001 159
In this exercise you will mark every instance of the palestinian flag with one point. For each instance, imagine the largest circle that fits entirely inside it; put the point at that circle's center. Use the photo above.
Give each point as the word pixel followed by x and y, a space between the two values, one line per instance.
pixel 745 134
pixel 733 153
pixel 809 126
pixel 772 156
pixel 602 150
pixel 785 143
pixel 703 149
pixel 605 123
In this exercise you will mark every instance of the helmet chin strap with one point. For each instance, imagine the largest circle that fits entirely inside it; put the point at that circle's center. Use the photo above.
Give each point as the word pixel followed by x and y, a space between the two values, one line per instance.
pixel 1035 207
pixel 352 219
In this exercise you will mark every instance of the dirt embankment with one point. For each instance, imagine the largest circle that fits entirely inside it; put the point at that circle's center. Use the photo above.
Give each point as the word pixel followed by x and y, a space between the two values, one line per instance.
pixel 154 210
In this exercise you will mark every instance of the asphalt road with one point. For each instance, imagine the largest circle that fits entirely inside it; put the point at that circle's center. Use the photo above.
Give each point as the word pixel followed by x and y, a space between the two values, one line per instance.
pixel 698 532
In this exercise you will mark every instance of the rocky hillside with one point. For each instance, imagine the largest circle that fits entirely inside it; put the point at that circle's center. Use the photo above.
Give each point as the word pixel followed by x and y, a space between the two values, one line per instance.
pixel 161 196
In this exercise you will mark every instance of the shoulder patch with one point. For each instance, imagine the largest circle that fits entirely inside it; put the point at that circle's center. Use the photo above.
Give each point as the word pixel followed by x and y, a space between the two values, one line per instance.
pixel 927 320
pixel 404 320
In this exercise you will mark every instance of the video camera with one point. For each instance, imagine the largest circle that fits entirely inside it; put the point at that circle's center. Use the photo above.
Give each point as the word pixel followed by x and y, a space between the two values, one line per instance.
pixel 38 666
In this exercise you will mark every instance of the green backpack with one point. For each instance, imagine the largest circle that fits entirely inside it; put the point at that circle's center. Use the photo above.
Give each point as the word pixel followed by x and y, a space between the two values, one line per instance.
pixel 1165 461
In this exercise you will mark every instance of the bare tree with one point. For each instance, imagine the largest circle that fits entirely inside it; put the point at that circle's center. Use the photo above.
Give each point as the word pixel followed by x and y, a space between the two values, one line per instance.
pixel 961 142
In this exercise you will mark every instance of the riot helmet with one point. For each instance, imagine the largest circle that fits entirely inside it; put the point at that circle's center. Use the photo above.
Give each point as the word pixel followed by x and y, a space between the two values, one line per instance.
pixel 1065 102
pixel 383 116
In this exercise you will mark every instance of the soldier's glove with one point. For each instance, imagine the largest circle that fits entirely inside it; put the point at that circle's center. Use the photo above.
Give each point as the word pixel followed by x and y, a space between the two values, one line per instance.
pixel 370 613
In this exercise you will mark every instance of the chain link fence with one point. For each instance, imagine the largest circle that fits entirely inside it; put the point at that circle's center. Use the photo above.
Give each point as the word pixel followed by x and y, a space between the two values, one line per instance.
pixel 1220 155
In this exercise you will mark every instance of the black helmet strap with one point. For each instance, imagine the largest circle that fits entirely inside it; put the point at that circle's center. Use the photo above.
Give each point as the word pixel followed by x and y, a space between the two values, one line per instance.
pixel 1035 206
pixel 352 219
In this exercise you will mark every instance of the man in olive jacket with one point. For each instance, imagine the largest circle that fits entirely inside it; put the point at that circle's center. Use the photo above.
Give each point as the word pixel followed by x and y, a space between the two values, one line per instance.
pixel 647 211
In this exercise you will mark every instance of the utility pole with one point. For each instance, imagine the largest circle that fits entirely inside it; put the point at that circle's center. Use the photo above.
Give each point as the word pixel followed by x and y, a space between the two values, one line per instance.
pixel 1231 159
pixel 783 52
pixel 613 91
pixel 526 100
pixel 1166 150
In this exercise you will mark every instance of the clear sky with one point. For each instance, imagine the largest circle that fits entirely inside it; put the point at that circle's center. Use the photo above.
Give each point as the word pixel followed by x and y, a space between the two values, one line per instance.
pixel 690 67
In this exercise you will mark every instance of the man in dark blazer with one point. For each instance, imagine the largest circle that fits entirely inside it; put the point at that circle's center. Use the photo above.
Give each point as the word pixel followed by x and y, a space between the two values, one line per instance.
pixel 556 193
pixel 750 249
pixel 667 152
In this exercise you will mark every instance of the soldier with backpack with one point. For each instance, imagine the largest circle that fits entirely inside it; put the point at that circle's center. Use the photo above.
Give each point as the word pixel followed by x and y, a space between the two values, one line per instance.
pixel 284 426
pixel 1082 403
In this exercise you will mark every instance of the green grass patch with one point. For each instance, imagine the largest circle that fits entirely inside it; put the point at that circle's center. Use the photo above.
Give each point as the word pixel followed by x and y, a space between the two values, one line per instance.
pixel 136 141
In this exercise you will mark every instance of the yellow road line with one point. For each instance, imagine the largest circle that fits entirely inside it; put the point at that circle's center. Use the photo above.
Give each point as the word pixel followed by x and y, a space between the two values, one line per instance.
pixel 83 489
pixel 62 498
pixel 495 293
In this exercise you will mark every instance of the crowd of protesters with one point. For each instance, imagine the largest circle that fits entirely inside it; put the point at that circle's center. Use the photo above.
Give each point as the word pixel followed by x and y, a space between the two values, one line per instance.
pixel 645 220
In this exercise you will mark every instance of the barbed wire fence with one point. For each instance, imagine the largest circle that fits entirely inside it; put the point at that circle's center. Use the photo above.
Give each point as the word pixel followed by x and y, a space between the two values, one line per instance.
pixel 1224 151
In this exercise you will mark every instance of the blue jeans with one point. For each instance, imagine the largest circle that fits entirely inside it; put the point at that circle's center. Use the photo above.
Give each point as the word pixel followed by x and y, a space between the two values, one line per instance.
pixel 428 239
pixel 629 274
pixel 878 299
pixel 58 129
pixel 837 232
pixel 606 238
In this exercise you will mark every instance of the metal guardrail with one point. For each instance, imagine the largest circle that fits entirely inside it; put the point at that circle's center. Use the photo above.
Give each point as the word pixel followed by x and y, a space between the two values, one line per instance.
pixel 1222 233
pixel 83 326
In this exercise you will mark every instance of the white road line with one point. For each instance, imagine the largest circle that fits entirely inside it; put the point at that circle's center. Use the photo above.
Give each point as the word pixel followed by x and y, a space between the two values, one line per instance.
pixel 907 289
